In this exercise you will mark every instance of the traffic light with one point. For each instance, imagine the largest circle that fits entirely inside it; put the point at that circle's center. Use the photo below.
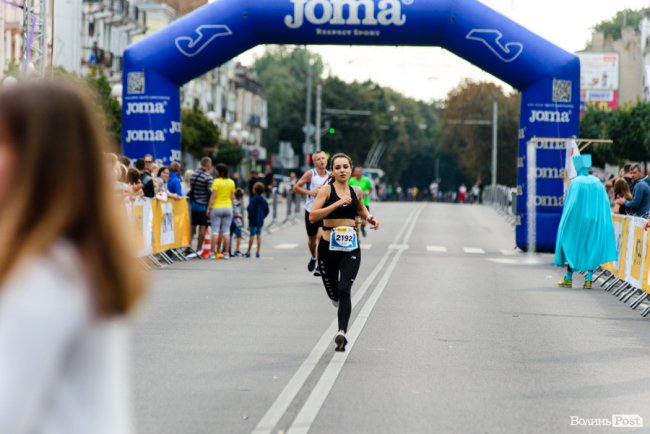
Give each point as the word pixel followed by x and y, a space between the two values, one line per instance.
pixel 332 131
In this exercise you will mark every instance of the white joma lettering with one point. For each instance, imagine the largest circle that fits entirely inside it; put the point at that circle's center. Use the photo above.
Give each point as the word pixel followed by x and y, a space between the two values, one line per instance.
pixel 345 12
pixel 549 116
pixel 142 108
pixel 145 136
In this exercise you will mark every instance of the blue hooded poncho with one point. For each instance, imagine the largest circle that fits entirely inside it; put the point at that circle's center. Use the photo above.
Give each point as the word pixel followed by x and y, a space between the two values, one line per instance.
pixel 585 238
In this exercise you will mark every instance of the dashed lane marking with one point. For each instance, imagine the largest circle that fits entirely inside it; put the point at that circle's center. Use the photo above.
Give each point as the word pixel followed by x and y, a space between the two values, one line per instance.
pixel 286 246
pixel 474 250
pixel 438 249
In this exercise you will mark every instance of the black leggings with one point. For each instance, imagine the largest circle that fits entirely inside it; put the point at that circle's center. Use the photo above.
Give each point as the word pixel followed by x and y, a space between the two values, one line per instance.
pixel 338 271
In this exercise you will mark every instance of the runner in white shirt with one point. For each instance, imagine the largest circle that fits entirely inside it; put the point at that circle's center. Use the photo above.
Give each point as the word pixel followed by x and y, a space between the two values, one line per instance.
pixel 313 180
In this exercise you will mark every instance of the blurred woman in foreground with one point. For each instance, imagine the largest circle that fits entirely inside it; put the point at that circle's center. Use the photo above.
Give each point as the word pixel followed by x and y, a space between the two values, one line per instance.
pixel 68 277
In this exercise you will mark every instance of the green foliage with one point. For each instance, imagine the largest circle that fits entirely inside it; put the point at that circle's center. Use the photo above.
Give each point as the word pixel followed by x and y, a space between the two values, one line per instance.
pixel 230 153
pixel 613 27
pixel 110 105
pixel 628 127
pixel 471 145
pixel 199 136
pixel 408 128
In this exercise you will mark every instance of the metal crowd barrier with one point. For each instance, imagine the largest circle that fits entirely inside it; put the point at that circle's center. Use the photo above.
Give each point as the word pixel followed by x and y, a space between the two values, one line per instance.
pixel 503 199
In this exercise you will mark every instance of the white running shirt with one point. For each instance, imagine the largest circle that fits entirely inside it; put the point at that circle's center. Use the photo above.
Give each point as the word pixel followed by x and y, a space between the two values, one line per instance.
pixel 316 181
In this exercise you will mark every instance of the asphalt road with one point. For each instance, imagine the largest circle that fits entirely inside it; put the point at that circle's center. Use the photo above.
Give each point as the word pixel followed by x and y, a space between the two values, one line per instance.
pixel 452 332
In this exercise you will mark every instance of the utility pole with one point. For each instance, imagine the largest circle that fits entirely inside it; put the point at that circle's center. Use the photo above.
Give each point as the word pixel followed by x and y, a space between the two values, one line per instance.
pixel 308 126
pixel 34 35
pixel 319 108
pixel 495 120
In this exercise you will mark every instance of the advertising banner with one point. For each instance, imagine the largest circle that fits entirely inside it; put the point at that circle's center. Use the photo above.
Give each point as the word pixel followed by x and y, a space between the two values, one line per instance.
pixel 599 80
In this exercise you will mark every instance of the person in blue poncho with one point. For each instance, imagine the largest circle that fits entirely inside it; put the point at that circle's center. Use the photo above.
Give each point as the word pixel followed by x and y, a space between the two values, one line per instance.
pixel 585 238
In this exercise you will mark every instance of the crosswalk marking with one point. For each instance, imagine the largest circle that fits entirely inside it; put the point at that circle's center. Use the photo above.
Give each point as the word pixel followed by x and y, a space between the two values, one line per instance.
pixel 440 249
pixel 286 246
pixel 474 250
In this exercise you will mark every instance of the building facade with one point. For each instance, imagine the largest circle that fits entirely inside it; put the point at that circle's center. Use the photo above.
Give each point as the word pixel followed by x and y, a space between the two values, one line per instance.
pixel 11 34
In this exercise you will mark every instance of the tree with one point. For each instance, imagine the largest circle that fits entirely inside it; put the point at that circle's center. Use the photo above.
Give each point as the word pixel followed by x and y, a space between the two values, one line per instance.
pixel 613 27
pixel 229 153
pixel 199 136
pixel 471 145
pixel 110 106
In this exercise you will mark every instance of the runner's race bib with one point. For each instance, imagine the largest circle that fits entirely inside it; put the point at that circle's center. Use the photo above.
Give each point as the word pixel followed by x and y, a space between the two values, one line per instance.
pixel 344 239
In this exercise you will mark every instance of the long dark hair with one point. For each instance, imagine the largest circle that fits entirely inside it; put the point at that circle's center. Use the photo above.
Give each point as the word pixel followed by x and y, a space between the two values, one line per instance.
pixel 331 179
pixel 46 121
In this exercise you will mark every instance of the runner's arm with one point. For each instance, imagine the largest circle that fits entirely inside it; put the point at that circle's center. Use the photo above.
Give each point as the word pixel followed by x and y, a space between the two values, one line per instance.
pixel 304 179
pixel 363 211
pixel 318 212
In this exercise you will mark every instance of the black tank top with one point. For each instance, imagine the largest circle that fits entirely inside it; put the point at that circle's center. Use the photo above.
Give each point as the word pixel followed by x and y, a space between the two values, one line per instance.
pixel 342 212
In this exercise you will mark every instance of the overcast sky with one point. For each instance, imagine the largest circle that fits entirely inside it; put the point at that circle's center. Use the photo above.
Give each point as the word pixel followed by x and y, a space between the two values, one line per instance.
pixel 430 73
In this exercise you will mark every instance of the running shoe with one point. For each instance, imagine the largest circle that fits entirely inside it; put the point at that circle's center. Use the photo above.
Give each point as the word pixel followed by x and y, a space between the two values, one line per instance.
pixel 257 255
pixel 340 342
pixel 247 255
pixel 565 283
pixel 311 265
pixel 218 256
pixel 317 272
pixel 226 256
pixel 237 254
pixel 587 284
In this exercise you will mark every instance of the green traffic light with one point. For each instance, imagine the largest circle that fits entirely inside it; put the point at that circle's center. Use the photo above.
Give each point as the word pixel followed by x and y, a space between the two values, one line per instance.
pixel 332 130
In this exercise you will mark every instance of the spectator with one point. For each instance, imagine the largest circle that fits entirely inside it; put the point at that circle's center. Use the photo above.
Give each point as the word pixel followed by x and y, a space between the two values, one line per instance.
pixel 239 183
pixel 134 182
pixel 200 185
pixel 185 184
pixel 68 278
pixel 174 184
pixel 269 181
pixel 220 211
pixel 124 160
pixel 462 192
pixel 622 190
pixel 252 181
pixel 142 165
pixel 258 209
pixel 238 220
pixel 164 192
pixel 640 203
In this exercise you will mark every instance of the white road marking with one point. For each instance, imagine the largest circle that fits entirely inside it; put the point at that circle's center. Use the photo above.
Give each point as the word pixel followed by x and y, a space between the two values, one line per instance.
pixel 286 246
pixel 366 246
pixel 474 250
pixel 509 252
pixel 438 249
pixel 304 420
pixel 288 394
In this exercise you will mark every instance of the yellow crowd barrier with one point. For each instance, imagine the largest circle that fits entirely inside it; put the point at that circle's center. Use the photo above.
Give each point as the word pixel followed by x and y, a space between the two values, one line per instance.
pixel 633 264
pixel 159 226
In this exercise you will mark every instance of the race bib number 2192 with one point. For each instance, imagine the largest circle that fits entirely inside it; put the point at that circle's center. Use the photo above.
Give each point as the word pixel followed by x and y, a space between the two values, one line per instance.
pixel 344 239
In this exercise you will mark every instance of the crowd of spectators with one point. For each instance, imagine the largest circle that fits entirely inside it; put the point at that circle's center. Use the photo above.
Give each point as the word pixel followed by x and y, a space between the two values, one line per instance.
pixel 630 191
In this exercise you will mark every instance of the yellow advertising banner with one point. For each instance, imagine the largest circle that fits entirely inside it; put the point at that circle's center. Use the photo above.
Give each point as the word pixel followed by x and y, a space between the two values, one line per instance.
pixel 181 223
pixel 137 226
pixel 171 225
pixel 622 243
pixel 637 252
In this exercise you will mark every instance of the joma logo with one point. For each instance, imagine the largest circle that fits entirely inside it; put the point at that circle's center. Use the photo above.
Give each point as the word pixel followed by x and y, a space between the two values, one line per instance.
pixel 549 116
pixel 333 12
pixel 145 108
pixel 145 136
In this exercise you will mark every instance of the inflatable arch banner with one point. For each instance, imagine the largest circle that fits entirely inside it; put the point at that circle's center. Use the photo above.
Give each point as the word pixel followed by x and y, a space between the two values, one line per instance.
pixel 547 76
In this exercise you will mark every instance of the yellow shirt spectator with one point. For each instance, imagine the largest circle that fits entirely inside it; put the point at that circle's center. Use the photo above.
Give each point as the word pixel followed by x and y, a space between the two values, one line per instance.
pixel 225 188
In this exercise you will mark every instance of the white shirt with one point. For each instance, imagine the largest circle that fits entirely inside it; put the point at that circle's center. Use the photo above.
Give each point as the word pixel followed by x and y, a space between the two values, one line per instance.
pixel 62 371
pixel 316 181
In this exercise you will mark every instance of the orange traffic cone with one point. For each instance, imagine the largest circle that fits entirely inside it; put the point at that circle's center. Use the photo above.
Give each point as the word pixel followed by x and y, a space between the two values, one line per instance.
pixel 207 244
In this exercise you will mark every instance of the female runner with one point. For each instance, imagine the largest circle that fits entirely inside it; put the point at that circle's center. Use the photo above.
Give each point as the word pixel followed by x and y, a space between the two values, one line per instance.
pixel 339 255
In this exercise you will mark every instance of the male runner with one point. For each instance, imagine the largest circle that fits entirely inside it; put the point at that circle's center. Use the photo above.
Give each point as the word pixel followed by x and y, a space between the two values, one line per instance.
pixel 313 180
pixel 364 183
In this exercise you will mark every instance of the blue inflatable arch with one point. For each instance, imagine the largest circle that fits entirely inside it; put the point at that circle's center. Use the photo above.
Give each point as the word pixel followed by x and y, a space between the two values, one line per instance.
pixel 547 76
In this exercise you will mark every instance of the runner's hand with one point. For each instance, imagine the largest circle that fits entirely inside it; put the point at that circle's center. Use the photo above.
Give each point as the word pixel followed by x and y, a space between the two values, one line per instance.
pixel 646 225
pixel 345 201
pixel 374 223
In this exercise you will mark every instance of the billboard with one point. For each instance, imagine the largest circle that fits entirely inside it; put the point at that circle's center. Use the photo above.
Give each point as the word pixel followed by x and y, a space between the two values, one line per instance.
pixel 599 80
